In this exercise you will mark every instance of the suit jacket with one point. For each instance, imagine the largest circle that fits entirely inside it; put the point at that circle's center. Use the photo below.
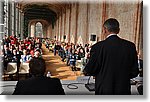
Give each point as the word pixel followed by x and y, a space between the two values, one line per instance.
pixel 39 86
pixel 113 62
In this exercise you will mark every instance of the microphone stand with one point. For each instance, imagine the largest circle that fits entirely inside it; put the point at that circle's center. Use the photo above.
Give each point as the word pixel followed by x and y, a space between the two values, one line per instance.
pixel 90 86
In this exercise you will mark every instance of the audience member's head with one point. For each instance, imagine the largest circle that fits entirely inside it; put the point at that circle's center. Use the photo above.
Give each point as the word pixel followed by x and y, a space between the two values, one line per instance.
pixel 5 36
pixel 37 67
pixel 6 47
pixel 81 50
pixel 37 54
pixel 24 52
pixel 14 52
pixel 29 47
pixel 32 53
pixel 27 38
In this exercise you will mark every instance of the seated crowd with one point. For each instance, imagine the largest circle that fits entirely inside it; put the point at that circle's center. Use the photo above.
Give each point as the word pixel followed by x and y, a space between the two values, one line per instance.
pixel 74 55
pixel 20 51
pixel 70 53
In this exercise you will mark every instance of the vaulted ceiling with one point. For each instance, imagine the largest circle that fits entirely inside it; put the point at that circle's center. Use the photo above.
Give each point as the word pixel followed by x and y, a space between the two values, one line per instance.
pixel 54 5
pixel 40 9
pixel 35 11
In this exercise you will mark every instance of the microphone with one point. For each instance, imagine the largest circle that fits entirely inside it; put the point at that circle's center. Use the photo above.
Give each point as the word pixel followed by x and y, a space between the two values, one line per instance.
pixel 90 86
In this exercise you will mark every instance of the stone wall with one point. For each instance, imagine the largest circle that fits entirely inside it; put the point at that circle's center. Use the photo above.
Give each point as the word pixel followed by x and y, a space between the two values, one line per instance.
pixel 67 23
pixel 95 20
pixel 80 20
pixel 82 24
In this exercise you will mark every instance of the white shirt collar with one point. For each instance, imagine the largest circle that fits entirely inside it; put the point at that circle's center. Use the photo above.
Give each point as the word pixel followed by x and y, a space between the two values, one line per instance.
pixel 110 35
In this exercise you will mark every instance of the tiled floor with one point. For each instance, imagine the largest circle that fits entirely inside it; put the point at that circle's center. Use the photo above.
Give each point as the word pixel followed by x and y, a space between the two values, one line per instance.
pixel 58 68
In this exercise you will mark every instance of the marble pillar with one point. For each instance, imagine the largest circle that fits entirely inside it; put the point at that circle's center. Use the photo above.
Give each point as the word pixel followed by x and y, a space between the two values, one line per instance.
pixel 9 18
pixel 32 30
pixel 17 21
pixel 22 25
pixel 6 17
pixel 14 7
pixel 1 20
pixel 1 35
pixel 12 18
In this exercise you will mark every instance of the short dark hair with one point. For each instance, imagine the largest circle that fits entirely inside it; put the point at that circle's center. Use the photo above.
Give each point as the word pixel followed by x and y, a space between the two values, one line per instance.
pixel 37 66
pixel 112 25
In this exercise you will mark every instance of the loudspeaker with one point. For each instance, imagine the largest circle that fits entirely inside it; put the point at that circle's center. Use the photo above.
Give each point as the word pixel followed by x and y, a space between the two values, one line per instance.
pixel 64 36
pixel 93 38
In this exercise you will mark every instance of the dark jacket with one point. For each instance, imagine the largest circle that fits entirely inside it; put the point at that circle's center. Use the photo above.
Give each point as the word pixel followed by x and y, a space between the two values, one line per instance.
pixel 39 86
pixel 113 62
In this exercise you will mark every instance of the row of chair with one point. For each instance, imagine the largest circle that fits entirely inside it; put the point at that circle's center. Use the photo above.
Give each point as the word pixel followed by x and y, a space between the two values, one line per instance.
pixel 12 69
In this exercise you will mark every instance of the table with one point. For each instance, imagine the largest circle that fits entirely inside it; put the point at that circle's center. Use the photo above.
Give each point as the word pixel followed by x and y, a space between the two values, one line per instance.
pixel 7 88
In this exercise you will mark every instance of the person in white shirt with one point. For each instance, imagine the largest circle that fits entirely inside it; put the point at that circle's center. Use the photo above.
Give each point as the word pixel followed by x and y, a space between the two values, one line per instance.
pixel 25 58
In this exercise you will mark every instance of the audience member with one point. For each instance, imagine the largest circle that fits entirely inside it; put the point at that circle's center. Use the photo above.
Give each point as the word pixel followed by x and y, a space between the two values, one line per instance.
pixel 38 84
pixel 25 58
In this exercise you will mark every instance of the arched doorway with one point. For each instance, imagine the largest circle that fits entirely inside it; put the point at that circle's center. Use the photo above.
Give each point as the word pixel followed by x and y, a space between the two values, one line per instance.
pixel 43 25
pixel 38 29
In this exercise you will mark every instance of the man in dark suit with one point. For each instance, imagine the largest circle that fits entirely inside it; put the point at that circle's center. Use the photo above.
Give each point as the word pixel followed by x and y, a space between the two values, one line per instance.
pixel 113 62
pixel 38 84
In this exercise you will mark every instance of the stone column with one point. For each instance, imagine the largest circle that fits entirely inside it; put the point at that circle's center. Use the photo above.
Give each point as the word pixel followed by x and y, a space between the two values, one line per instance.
pixel 12 18
pixel 44 28
pixel 32 27
pixel 29 30
pixel 17 21
pixel 1 35
pixel 1 20
pixel 35 29
pixel 5 17
pixel 22 25
pixel 9 19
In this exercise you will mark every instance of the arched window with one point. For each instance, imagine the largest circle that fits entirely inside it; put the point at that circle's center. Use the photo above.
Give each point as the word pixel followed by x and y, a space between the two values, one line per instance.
pixel 39 30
